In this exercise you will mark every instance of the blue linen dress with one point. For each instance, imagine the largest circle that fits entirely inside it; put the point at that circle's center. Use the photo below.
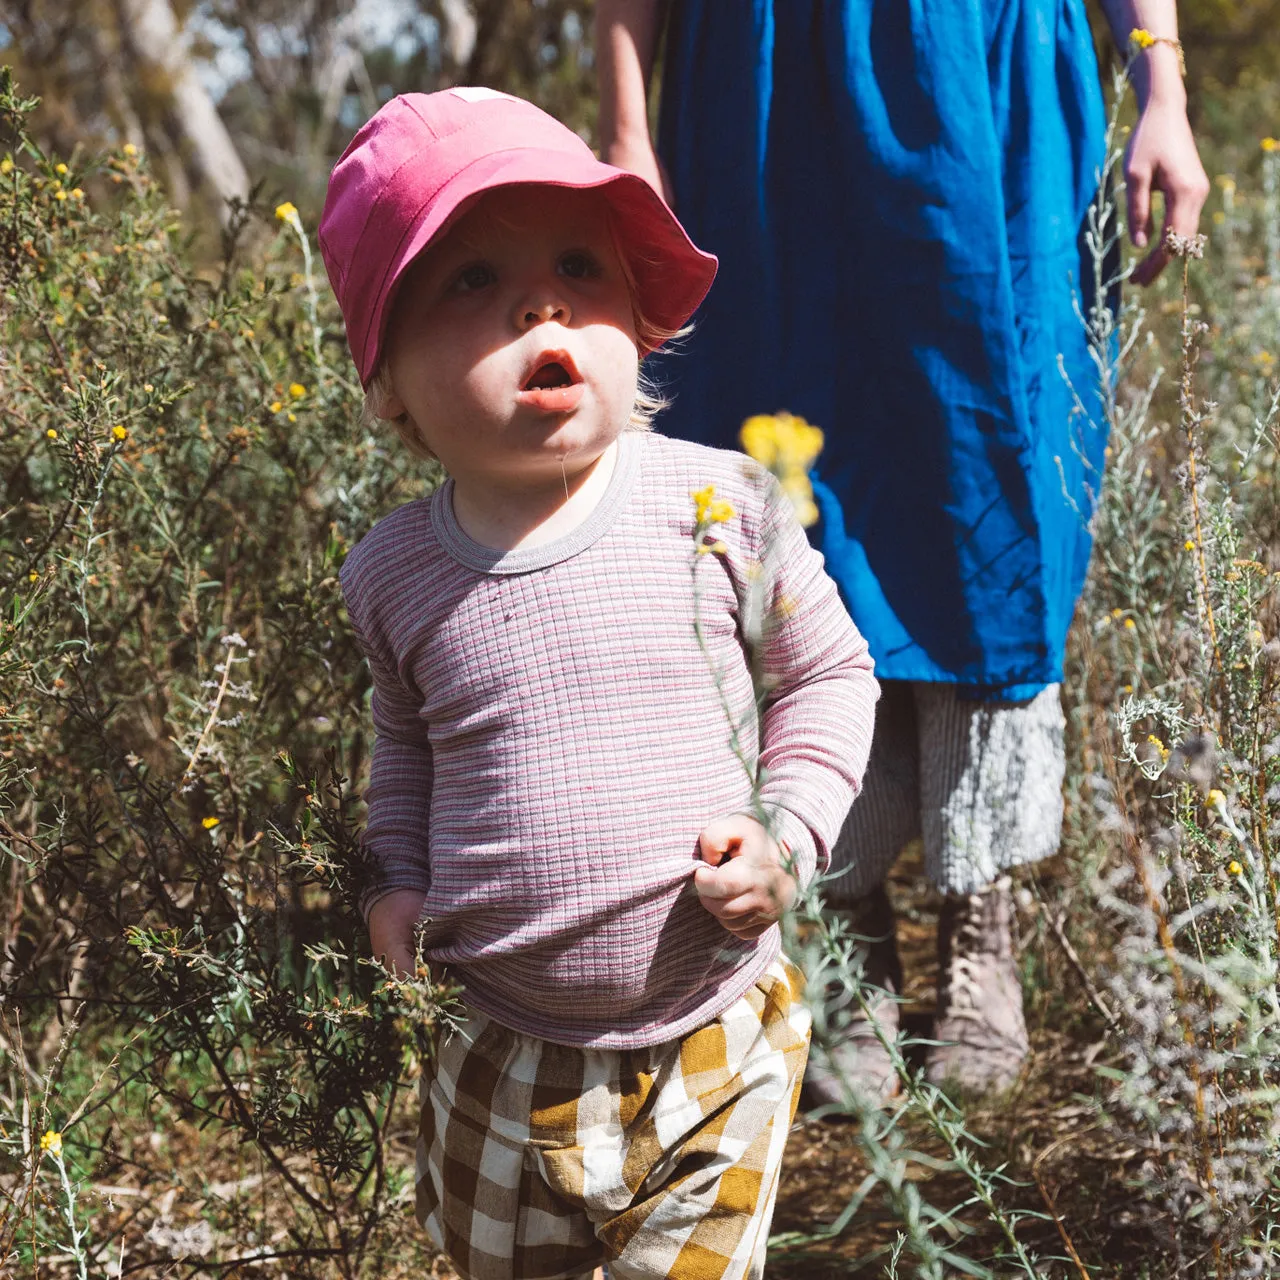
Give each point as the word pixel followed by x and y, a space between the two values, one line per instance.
pixel 896 190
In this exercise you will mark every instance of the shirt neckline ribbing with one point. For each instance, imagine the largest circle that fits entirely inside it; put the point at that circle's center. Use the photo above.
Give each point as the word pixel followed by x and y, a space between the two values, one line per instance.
pixel 475 555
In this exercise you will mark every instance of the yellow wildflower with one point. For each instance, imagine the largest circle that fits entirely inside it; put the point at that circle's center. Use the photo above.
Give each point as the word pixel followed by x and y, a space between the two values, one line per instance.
pixel 52 433
pixel 1270 144
pixel 148 388
pixel 788 446
pixel 120 431
pixel 275 406
pixel 209 823
pixel 247 333
pixel 77 193
pixel 800 492
pixel 59 194
pixel 702 499
pixel 1188 545
pixel 1215 799
pixel 1234 868
pixel 286 211
pixel 129 149
pixel 781 441
pixel 33 576
pixel 1141 37
pixel 6 165
pixel 1161 750
pixel 51 1141
pixel 293 417
pixel 297 390
pixel 1129 624
pixel 1115 613
pixel 60 169
pixel 719 512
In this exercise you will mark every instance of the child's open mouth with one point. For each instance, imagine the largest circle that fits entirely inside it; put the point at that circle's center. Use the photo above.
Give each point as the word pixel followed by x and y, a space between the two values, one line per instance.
pixel 553 384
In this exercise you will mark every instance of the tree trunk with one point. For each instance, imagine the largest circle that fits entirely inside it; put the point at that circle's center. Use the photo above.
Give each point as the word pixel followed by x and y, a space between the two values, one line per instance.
pixel 159 45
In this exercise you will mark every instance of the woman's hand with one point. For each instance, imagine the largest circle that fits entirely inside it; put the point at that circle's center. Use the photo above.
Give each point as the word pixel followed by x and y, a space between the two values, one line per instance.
pixel 741 879
pixel 1162 156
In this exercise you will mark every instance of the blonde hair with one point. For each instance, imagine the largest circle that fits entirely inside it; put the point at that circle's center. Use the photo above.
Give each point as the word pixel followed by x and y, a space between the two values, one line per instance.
pixel 649 401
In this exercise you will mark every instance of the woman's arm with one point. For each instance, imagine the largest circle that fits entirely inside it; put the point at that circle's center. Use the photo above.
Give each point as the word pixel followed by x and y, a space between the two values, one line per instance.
pixel 1161 154
pixel 626 44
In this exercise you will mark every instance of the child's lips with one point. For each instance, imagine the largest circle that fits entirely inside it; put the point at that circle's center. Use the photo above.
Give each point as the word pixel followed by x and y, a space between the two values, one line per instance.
pixel 552 385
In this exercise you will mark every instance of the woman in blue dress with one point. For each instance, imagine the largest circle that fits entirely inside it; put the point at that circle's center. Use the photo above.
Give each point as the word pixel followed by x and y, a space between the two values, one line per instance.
pixel 897 191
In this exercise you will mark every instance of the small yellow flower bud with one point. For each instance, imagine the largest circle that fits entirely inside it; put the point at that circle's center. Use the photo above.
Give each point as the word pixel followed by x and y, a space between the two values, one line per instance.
pixel 33 576
pixel 51 1141
pixel 52 433
pixel 209 823
pixel 1270 144
pixel 129 149
pixel 6 165
pixel 1215 799
pixel 148 388
pixel 1141 37
pixel 1188 545
pixel 120 431
pixel 275 406
pixel 77 193
pixel 286 211
pixel 1129 624
pixel 59 194
pixel 1234 868
pixel 60 169
pixel 297 390
pixel 293 417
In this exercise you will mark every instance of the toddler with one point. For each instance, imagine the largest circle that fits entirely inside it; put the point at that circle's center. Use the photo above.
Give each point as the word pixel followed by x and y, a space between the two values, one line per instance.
pixel 557 799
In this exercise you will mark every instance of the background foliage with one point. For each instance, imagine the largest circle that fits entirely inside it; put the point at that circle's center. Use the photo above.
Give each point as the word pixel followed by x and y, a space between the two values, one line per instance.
pixel 186 1020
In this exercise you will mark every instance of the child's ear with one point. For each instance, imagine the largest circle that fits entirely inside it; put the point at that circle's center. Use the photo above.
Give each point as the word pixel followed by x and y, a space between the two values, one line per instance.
pixel 392 408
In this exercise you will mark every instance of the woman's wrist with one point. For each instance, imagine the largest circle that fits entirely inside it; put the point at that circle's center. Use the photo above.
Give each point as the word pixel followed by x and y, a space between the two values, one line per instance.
pixel 1157 76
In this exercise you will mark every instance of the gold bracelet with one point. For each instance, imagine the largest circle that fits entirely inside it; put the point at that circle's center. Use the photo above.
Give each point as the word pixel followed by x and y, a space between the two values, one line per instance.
pixel 1143 39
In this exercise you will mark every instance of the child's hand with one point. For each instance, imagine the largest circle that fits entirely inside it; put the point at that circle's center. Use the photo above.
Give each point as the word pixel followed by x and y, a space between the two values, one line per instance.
pixel 391 921
pixel 742 880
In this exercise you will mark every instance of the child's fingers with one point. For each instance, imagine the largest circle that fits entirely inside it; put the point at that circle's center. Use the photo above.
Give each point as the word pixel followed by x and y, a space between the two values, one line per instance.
pixel 730 879
pixel 732 897
pixel 721 839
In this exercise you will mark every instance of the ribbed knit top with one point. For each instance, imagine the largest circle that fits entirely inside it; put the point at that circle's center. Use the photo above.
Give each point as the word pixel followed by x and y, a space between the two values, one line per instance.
pixel 551 738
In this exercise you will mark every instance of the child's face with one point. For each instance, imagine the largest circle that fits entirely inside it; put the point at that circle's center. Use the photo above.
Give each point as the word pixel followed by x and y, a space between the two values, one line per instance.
pixel 512 343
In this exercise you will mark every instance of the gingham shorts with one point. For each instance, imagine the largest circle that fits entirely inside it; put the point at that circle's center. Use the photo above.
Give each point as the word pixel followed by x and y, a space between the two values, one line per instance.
pixel 540 1161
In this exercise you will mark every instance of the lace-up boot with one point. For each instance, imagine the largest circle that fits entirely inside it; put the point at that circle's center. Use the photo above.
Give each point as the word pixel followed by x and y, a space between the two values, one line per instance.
pixel 848 1056
pixel 979 1017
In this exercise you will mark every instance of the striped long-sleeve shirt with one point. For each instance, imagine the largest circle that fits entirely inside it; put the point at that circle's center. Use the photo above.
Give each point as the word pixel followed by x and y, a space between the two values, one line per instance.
pixel 551 739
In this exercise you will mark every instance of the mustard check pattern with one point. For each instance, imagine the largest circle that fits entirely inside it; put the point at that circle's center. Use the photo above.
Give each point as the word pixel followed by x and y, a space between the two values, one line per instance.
pixel 540 1161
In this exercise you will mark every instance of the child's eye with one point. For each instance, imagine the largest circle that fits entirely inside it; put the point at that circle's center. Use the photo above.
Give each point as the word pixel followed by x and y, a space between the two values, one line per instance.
pixel 474 276
pixel 578 264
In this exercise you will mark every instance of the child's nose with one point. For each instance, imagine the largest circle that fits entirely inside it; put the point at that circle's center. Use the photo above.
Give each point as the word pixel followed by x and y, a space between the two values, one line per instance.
pixel 541 306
